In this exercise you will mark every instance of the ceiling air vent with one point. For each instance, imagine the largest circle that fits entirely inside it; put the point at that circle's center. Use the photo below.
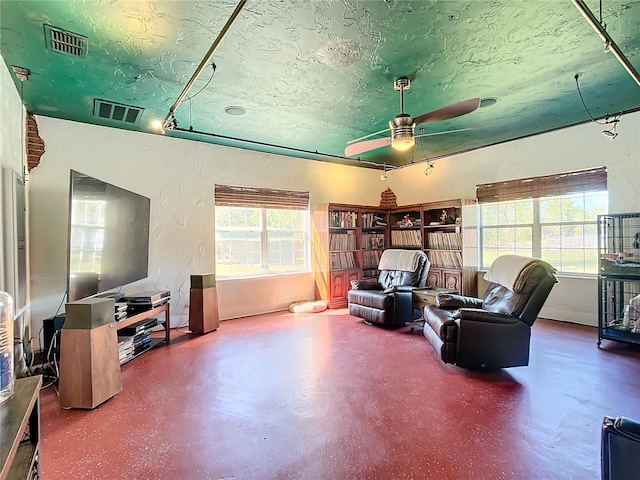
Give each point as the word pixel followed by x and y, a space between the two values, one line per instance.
pixel 116 111
pixel 65 42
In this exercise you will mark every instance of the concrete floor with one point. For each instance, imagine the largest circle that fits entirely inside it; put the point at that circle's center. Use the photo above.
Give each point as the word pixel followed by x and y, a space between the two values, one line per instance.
pixel 324 396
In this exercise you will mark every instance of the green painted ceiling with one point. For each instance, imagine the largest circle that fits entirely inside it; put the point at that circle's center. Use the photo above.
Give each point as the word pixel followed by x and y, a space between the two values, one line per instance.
pixel 313 75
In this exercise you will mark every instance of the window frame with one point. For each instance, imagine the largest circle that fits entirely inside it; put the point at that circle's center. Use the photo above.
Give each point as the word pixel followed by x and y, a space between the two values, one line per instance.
pixel 581 183
pixel 265 200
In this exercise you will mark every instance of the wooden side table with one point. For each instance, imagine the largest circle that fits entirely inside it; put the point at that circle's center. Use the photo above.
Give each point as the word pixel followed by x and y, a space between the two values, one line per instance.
pixel 19 457
pixel 425 296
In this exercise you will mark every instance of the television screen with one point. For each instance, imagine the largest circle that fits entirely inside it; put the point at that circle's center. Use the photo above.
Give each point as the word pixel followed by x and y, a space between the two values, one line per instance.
pixel 108 242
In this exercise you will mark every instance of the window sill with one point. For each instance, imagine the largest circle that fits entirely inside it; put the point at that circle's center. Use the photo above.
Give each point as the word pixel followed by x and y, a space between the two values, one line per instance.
pixel 225 278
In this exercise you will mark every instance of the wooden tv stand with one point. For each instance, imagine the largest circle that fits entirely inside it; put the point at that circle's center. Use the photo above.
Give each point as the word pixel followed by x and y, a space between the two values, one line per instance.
pixel 143 315
pixel 90 362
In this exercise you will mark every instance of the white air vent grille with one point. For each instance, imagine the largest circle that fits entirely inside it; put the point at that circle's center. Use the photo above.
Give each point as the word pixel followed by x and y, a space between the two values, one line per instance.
pixel 65 42
pixel 116 111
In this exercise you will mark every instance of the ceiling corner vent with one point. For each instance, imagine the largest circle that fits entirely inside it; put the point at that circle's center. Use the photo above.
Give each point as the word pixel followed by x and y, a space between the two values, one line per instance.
pixel 65 42
pixel 116 111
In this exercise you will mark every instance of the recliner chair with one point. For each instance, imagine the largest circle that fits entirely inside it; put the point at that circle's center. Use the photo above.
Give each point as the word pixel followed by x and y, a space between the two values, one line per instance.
pixel 620 448
pixel 493 332
pixel 388 302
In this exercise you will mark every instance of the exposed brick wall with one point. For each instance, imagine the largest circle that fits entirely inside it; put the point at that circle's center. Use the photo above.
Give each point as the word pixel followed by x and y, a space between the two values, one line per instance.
pixel 388 199
pixel 35 145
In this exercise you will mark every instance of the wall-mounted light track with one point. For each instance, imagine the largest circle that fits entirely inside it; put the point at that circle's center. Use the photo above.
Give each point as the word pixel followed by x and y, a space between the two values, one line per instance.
pixel 205 61
pixel 610 45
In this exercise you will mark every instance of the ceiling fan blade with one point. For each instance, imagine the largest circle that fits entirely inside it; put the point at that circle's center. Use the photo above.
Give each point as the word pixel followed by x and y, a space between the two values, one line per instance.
pixel 450 111
pixel 367 136
pixel 442 133
pixel 361 147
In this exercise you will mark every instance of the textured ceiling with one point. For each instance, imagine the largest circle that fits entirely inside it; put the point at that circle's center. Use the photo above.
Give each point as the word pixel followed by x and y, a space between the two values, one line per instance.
pixel 312 75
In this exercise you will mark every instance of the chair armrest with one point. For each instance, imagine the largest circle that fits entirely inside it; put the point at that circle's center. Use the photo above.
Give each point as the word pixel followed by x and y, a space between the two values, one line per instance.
pixel 451 301
pixel 479 315
pixel 625 426
pixel 365 285
pixel 400 288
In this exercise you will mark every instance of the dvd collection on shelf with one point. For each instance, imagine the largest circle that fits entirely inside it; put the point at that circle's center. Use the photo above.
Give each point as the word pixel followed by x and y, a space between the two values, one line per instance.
pixel 135 339
pixel 342 241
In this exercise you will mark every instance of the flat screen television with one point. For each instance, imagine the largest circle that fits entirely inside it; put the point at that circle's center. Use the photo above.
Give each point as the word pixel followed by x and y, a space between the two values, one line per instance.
pixel 108 238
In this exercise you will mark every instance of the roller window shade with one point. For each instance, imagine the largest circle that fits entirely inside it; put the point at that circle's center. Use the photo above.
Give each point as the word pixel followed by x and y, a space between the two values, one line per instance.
pixel 232 196
pixel 593 179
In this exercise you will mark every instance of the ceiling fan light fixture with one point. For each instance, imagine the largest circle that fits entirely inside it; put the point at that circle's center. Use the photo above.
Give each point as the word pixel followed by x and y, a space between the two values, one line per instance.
pixel 402 132
pixel 404 142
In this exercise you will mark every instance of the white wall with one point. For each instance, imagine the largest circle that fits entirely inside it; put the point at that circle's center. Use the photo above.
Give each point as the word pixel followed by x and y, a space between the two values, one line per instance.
pixel 573 299
pixel 12 158
pixel 11 140
pixel 179 177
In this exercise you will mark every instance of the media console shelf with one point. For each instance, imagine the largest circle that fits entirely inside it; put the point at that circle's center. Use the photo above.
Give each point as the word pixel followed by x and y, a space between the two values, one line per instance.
pixel 89 358
pixel 143 315
pixel 19 454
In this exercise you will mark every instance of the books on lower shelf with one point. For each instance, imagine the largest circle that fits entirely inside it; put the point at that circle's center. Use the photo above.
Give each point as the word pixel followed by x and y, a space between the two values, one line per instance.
pixel 371 258
pixel 343 260
pixel 372 240
pixel 406 238
pixel 444 241
pixel 445 259
pixel 342 241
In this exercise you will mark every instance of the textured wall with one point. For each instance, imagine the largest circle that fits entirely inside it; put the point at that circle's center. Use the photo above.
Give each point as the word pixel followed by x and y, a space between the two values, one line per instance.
pixel 179 177
pixel 573 299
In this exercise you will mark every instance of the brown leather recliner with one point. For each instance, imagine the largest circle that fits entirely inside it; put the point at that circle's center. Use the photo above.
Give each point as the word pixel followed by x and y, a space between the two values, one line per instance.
pixel 388 302
pixel 493 332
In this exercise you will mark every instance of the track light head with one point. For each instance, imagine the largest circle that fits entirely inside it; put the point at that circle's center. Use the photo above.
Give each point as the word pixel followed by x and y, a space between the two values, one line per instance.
pixel 429 170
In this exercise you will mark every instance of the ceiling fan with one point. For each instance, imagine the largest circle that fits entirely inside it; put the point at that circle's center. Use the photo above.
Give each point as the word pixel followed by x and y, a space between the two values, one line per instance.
pixel 403 125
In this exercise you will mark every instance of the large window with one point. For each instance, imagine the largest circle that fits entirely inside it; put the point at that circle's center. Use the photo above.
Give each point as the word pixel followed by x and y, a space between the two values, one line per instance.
pixel 260 231
pixel 560 228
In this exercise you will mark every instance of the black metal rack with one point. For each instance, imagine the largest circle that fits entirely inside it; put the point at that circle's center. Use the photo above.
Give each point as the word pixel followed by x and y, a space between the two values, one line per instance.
pixel 619 277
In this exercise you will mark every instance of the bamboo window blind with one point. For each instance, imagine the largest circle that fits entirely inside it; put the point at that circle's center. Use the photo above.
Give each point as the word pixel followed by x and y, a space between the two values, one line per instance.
pixel 592 179
pixel 233 196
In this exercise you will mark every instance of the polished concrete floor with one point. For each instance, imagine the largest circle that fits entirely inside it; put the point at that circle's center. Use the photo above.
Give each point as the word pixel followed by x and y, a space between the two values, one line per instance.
pixel 324 396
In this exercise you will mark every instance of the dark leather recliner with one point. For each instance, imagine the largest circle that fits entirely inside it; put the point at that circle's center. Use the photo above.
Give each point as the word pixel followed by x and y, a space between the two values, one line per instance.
pixel 620 448
pixel 388 302
pixel 493 332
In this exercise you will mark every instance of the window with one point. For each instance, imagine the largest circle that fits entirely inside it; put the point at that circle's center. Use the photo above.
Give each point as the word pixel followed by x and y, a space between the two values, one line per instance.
pixel 557 221
pixel 261 231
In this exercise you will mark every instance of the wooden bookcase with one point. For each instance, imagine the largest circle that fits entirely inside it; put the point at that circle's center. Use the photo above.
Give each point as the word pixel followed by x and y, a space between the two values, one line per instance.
pixel 347 243
pixel 449 236
pixel 349 239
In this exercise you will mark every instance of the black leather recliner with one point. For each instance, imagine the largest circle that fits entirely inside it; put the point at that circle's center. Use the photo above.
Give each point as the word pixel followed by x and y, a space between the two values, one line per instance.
pixel 388 302
pixel 620 448
pixel 493 332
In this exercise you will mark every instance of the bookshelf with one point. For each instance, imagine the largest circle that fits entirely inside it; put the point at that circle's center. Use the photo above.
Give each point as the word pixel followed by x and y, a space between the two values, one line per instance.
pixel 336 256
pixel 348 241
pixel 450 241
